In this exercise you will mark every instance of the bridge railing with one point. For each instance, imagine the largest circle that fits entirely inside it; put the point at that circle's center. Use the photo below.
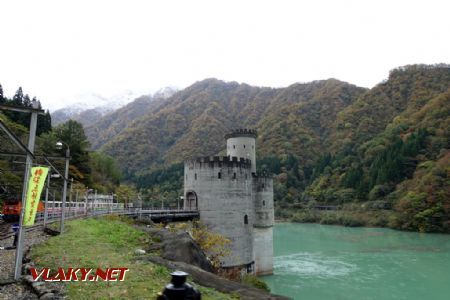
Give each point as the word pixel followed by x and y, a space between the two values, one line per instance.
pixel 55 214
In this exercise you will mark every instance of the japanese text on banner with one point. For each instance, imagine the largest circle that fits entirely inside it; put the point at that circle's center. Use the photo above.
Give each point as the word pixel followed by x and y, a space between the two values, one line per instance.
pixel 35 185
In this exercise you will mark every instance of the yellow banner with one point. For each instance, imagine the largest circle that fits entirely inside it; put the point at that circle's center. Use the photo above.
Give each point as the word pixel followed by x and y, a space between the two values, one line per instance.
pixel 35 185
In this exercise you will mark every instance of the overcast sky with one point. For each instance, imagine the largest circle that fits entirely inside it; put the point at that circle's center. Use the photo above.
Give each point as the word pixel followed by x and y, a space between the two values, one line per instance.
pixel 61 50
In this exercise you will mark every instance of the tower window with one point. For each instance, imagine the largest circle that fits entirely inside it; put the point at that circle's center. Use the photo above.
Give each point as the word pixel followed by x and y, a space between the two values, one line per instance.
pixel 234 175
pixel 244 146
pixel 219 175
pixel 263 185
pixel 195 176
pixel 245 219
pixel 234 146
pixel 264 203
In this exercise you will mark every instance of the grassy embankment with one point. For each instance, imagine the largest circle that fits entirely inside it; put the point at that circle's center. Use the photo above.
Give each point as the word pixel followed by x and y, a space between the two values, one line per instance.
pixel 102 243
pixel 353 215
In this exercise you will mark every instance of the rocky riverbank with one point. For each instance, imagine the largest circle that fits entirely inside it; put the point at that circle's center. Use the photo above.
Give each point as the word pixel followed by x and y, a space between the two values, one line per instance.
pixel 177 251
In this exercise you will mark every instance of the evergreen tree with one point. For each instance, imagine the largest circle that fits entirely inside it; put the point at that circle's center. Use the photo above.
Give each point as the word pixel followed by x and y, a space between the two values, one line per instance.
pixel 270 164
pixel 2 99
pixel 321 164
pixel 353 177
pixel 18 97
pixel 26 101
pixel 15 116
pixel 72 133
pixel 44 123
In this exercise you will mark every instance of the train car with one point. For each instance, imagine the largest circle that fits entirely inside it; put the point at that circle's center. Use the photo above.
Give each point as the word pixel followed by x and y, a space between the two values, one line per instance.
pixel 99 204
pixel 11 210
pixel 54 207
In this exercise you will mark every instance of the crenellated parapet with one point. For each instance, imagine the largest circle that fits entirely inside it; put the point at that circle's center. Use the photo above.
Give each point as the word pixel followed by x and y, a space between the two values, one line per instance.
pixel 219 162
pixel 262 175
pixel 242 133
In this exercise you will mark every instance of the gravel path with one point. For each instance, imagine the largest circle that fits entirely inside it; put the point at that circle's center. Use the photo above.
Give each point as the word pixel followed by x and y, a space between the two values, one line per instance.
pixel 18 290
pixel 6 256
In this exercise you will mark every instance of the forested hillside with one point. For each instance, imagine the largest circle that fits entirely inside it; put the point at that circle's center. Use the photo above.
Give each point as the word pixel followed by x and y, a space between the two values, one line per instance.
pixel 325 142
pixel 22 99
pixel 194 121
pixel 106 128
pixel 392 146
pixel 85 117
pixel 87 169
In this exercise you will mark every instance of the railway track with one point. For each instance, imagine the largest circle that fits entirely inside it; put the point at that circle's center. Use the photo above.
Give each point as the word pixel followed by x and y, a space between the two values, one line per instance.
pixel 5 230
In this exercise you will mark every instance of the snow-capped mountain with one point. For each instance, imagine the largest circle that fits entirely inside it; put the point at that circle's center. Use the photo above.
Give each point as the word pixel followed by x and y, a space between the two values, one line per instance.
pixel 91 107
pixel 165 92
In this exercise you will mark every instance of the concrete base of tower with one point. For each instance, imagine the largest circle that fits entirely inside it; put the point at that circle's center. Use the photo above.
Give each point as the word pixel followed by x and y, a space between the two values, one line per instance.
pixel 263 250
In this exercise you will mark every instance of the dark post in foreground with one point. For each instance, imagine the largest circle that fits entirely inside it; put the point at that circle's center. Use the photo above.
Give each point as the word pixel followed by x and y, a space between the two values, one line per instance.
pixel 178 289
pixel 59 145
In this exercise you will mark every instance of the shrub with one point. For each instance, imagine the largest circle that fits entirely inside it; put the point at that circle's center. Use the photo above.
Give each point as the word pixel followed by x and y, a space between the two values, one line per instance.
pixel 255 282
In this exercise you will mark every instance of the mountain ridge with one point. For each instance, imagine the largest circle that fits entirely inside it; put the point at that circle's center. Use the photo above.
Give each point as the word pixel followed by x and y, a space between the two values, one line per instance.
pixel 97 106
pixel 220 106
pixel 325 141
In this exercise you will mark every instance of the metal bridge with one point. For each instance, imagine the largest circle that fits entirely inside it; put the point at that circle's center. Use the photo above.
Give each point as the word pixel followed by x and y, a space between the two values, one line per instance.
pixel 156 215
pixel 166 215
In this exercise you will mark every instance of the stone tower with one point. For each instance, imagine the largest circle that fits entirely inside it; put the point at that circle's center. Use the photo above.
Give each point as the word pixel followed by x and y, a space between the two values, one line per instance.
pixel 262 196
pixel 235 201
pixel 241 143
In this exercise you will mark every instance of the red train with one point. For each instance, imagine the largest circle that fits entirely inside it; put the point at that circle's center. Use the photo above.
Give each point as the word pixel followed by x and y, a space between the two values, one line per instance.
pixel 11 210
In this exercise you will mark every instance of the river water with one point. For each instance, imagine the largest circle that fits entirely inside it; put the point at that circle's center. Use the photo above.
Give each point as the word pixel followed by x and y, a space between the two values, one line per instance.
pixel 313 261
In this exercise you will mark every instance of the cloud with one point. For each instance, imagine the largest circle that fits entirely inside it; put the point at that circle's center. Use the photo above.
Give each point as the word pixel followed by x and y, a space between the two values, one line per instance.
pixel 57 50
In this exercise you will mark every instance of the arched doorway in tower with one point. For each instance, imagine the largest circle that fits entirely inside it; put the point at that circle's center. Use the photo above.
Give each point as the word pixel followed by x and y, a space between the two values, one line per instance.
pixel 191 201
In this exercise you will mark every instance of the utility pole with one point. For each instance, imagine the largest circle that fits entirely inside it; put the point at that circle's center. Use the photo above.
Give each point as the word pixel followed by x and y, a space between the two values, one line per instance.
pixel 66 175
pixel 140 209
pixel 70 197
pixel 53 205
pixel 76 202
pixel 29 161
pixel 86 201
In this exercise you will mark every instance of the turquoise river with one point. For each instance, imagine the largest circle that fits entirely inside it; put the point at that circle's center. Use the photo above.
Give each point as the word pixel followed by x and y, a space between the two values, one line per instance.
pixel 318 262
